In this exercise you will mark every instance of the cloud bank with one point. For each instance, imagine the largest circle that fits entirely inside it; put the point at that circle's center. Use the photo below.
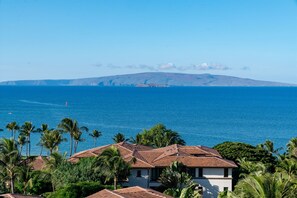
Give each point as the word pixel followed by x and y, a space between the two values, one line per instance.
pixel 169 66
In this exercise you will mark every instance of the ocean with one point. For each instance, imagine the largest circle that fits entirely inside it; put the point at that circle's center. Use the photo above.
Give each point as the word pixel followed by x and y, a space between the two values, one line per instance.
pixel 202 115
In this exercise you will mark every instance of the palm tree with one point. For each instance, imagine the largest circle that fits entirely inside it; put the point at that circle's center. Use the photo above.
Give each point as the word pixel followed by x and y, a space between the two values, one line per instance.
pixel 288 166
pixel 42 130
pixel 77 136
pixel 119 137
pixel 70 126
pixel 292 147
pixel 26 130
pixel 51 140
pixel 10 160
pixel 266 185
pixel 112 165
pixel 21 142
pixel 13 127
pixel 95 135
pixel 269 147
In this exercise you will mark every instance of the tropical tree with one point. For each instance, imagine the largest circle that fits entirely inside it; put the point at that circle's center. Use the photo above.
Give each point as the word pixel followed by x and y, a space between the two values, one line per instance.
pixel 158 136
pixel 178 182
pixel 21 142
pixel 51 139
pixel 95 135
pixel 292 147
pixel 10 160
pixel 26 130
pixel 269 147
pixel 112 165
pixel 71 126
pixel 13 127
pixel 119 137
pixel 44 128
pixel 288 166
pixel 77 137
pixel 268 185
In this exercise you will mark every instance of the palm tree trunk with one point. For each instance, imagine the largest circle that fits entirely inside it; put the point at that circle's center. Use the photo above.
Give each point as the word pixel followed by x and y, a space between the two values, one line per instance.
pixel 13 135
pixel 94 142
pixel 75 146
pixel 12 185
pixel 29 144
pixel 115 183
pixel 41 150
pixel 71 145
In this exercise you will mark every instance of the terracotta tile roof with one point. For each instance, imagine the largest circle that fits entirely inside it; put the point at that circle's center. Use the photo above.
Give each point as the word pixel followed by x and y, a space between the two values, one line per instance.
pixel 148 157
pixel 105 194
pixel 131 192
pixel 17 196
pixel 38 163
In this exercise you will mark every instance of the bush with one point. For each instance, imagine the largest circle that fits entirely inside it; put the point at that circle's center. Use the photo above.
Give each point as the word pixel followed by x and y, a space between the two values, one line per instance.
pixel 78 190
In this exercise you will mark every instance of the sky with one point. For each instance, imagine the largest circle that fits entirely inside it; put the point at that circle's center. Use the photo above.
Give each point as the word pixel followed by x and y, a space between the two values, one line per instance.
pixel 64 39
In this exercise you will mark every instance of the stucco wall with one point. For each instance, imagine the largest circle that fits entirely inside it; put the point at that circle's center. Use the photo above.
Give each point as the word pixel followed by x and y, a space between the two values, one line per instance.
pixel 215 172
pixel 211 187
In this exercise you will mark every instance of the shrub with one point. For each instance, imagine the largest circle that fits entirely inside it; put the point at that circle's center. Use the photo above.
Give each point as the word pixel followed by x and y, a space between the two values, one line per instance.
pixel 78 190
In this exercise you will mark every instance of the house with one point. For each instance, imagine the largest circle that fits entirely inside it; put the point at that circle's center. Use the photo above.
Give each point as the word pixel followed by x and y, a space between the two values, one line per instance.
pixel 205 165
pixel 131 192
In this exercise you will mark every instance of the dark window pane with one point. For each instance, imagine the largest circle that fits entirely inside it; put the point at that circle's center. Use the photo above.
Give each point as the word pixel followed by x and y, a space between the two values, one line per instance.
pixel 225 172
pixel 200 172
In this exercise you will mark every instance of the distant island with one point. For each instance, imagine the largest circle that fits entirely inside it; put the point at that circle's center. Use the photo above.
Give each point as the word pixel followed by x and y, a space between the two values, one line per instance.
pixel 151 79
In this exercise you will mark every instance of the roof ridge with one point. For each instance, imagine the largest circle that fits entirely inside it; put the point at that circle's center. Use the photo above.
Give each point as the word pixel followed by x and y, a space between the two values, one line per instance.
pixel 208 152
pixel 89 150
pixel 115 193
pixel 143 160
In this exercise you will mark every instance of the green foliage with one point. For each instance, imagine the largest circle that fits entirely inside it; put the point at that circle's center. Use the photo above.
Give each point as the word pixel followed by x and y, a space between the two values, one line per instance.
pixel 33 182
pixel 78 190
pixel 112 166
pixel 67 173
pixel 119 137
pixel 51 140
pixel 275 185
pixel 237 150
pixel 158 136
pixel 10 161
pixel 178 182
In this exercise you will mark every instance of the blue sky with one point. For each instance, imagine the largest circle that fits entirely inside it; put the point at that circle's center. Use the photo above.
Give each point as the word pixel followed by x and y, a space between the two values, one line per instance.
pixel 53 39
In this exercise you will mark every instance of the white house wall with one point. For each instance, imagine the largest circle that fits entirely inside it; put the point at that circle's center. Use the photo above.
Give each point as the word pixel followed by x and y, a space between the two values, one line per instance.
pixel 212 187
pixel 215 172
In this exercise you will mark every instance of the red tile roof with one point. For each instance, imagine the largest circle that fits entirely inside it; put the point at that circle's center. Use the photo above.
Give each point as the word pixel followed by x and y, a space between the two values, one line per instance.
pixel 131 192
pixel 148 157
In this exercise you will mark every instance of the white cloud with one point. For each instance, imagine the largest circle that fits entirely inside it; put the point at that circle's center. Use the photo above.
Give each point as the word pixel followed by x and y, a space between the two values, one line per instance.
pixel 167 66
pixel 207 66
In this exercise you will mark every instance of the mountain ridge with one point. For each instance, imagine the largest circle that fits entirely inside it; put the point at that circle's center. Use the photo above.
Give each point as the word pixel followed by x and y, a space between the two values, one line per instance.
pixel 151 79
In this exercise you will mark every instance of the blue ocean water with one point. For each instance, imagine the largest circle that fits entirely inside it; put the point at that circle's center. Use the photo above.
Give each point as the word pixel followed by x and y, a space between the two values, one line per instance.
pixel 202 115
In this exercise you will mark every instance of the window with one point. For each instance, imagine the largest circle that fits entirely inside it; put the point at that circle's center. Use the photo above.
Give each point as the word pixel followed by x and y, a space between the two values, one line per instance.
pixel 200 172
pixel 226 172
pixel 225 188
pixel 191 171
pixel 138 174
pixel 155 173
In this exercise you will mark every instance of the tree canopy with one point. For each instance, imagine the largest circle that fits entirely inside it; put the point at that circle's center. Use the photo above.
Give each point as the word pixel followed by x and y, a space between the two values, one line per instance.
pixel 158 136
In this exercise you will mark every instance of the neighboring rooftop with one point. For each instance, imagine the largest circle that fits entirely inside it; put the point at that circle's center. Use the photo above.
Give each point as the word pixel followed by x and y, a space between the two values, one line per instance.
pixel 148 157
pixel 131 192
pixel 17 196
